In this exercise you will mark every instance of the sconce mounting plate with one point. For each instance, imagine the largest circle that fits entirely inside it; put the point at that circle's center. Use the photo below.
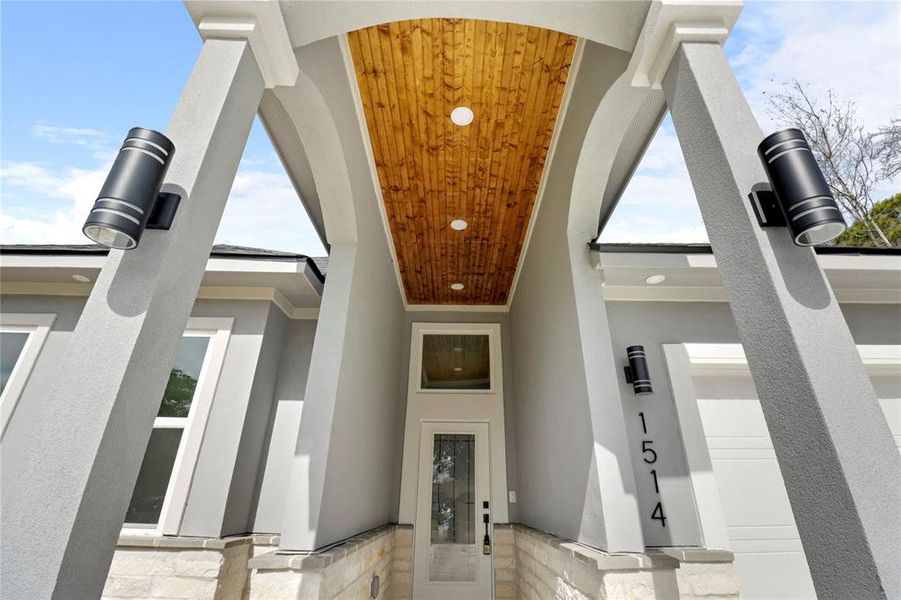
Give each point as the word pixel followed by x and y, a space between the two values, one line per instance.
pixel 163 212
pixel 766 208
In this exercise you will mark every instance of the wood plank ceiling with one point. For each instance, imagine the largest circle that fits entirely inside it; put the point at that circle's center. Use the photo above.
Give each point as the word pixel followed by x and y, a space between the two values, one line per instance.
pixel 411 75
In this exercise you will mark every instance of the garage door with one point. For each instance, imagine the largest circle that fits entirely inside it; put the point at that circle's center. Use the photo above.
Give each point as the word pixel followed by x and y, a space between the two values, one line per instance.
pixel 762 532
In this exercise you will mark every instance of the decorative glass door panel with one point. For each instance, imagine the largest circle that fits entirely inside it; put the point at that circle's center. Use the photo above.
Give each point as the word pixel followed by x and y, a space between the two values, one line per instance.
pixel 453 489
pixel 452 549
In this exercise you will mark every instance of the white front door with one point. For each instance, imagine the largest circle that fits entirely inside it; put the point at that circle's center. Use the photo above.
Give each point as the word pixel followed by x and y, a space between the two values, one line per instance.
pixel 453 513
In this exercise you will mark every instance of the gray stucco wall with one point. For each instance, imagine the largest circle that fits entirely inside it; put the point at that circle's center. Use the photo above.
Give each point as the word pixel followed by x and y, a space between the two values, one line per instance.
pixel 246 477
pixel 223 493
pixel 563 427
pixel 347 446
pixel 284 423
pixel 653 324
pixel 509 393
pixel 207 512
pixel 67 310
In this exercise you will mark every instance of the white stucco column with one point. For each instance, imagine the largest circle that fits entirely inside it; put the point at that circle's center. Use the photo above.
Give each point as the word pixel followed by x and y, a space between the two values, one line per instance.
pixel 841 468
pixel 76 466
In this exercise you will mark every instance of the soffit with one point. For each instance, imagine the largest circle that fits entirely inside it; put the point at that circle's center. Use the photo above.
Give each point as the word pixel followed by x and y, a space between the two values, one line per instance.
pixel 411 75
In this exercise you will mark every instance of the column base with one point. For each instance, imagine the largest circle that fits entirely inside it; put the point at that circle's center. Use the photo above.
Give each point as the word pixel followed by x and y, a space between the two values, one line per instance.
pixel 549 567
pixel 528 565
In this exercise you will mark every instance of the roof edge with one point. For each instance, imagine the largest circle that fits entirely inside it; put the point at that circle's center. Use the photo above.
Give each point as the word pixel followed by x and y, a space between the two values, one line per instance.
pixel 218 251
pixel 650 248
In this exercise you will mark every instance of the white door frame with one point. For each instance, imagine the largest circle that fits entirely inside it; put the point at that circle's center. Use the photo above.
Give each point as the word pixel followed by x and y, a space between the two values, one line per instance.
pixel 482 588
pixel 458 406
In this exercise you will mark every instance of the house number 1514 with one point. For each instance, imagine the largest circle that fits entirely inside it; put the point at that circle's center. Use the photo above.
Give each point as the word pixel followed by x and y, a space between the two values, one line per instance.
pixel 649 455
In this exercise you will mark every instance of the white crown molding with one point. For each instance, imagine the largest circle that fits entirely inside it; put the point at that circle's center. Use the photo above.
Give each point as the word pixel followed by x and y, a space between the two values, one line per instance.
pixel 258 21
pixel 206 292
pixel 729 359
pixel 670 23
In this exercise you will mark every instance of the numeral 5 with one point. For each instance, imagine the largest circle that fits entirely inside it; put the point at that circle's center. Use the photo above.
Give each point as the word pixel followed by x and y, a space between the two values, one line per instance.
pixel 645 449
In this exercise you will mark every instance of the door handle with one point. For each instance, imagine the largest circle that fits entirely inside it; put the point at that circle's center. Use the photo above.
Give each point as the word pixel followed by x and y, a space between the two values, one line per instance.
pixel 486 543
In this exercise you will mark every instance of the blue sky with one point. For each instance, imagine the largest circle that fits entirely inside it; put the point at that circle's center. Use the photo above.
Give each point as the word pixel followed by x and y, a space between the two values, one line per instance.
pixel 67 100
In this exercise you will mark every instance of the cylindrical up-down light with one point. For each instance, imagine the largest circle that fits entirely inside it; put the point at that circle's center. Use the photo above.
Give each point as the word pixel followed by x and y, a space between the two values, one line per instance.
pixel 126 199
pixel 638 370
pixel 810 210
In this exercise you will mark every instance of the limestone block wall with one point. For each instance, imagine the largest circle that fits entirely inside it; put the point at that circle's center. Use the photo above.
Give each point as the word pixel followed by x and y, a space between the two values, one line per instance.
pixel 342 572
pixel 402 564
pixel 549 567
pixel 174 567
pixel 504 562
pixel 528 565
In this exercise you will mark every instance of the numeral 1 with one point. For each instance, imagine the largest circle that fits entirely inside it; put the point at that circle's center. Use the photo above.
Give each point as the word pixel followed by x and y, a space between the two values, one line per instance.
pixel 654 474
pixel 658 514
pixel 644 426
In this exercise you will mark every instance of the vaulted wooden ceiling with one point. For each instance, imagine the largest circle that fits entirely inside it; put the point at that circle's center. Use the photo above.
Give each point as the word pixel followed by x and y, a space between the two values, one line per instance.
pixel 411 75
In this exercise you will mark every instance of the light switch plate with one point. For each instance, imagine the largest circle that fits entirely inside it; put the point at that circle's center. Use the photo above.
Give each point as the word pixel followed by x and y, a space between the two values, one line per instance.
pixel 512 496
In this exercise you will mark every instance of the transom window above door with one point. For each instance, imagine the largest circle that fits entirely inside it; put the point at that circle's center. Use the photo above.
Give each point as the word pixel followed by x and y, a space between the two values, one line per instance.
pixel 455 362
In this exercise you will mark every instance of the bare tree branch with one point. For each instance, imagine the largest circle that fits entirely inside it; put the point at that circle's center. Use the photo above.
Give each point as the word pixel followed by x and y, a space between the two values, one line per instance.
pixel 853 161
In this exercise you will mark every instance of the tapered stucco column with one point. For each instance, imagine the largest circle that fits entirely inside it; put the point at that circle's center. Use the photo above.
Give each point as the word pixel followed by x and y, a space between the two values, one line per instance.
pixel 841 468
pixel 76 466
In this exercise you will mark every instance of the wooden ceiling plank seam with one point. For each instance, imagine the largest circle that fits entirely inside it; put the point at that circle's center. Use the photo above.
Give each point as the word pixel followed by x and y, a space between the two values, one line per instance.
pixel 473 190
pixel 531 168
pixel 377 86
pixel 496 176
pixel 412 144
pixel 527 141
pixel 387 117
pixel 420 93
pixel 462 194
pixel 456 141
pixel 464 76
pixel 512 124
pixel 438 131
pixel 496 74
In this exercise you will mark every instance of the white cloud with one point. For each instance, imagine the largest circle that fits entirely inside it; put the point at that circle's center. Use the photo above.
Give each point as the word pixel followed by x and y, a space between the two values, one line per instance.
pixel 264 210
pixel 29 188
pixel 45 205
pixel 80 136
pixel 103 147
pixel 851 48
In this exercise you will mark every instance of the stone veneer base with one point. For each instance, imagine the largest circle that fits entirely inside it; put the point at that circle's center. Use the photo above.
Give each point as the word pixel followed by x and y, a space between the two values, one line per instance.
pixel 528 565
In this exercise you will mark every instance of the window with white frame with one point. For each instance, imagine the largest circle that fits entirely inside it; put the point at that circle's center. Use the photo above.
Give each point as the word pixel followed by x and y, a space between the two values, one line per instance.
pixel 21 338
pixel 163 481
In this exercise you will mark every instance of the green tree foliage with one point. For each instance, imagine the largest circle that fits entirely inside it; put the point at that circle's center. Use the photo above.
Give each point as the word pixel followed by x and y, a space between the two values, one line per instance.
pixel 887 216
pixel 178 395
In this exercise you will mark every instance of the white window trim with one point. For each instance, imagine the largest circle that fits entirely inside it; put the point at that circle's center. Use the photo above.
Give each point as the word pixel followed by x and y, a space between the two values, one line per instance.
pixel 455 406
pixel 194 425
pixel 685 361
pixel 420 330
pixel 38 327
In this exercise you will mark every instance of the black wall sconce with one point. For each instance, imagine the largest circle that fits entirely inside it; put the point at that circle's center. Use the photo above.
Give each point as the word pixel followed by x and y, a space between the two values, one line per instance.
pixel 800 198
pixel 637 371
pixel 130 199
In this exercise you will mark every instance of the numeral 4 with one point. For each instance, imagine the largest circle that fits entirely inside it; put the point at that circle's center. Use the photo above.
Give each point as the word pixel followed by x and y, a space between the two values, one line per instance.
pixel 658 514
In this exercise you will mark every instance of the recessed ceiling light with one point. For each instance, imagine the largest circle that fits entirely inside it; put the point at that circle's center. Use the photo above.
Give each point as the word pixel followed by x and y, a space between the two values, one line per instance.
pixel 457 286
pixel 458 349
pixel 81 278
pixel 462 115
pixel 655 279
pixel 458 369
pixel 459 224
